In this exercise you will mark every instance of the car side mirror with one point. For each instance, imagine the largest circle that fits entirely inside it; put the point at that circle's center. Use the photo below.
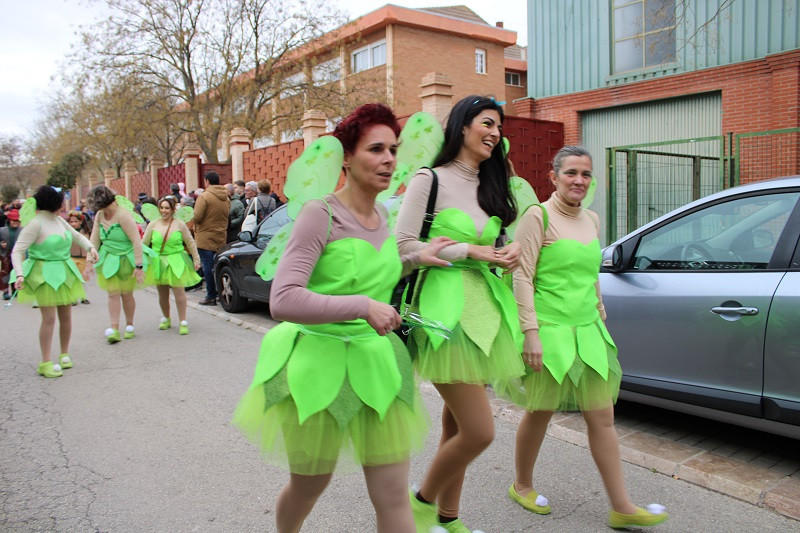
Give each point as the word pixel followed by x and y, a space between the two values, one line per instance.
pixel 612 259
pixel 245 236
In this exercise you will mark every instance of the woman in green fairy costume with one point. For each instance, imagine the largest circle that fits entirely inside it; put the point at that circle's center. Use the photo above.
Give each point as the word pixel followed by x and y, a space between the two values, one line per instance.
pixel 473 203
pixel 173 268
pixel 334 376
pixel 120 268
pixel 570 356
pixel 48 277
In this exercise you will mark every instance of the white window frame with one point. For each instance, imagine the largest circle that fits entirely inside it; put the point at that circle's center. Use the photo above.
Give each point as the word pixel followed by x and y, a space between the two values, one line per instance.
pixel 641 36
pixel 480 61
pixel 512 74
pixel 291 81
pixel 369 50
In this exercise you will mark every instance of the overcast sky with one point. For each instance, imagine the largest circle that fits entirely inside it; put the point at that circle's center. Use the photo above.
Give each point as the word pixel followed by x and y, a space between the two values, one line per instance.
pixel 35 35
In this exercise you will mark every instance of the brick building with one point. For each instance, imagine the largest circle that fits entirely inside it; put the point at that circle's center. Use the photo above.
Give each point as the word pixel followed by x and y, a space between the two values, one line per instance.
pixel 639 72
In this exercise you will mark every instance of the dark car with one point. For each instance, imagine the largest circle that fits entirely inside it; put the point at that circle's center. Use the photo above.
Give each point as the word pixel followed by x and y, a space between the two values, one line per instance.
pixel 234 266
pixel 704 305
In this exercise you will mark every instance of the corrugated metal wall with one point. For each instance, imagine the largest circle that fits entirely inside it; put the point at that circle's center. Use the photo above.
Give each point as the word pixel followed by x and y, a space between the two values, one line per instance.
pixel 664 120
pixel 569 41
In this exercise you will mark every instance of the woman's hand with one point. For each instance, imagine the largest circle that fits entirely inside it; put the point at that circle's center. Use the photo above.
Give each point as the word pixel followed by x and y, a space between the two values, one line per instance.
pixel 91 256
pixel 196 265
pixel 138 273
pixel 509 256
pixel 486 254
pixel 428 255
pixel 19 283
pixel 87 271
pixel 532 350
pixel 382 317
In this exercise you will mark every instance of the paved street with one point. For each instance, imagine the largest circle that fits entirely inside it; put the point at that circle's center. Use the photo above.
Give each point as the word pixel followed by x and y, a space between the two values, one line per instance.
pixel 136 437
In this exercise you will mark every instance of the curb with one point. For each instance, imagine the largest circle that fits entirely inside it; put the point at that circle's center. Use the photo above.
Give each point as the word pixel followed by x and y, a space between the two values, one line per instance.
pixel 737 479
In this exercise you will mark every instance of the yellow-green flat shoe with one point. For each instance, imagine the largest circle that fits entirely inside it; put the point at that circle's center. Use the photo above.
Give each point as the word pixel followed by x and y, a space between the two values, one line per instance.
pixel 653 516
pixel 164 324
pixel 112 335
pixel 65 360
pixel 49 369
pixel 424 513
pixel 184 328
pixel 533 501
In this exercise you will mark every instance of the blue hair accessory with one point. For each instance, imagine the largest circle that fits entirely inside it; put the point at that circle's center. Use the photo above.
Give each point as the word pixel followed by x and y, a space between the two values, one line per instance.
pixel 495 102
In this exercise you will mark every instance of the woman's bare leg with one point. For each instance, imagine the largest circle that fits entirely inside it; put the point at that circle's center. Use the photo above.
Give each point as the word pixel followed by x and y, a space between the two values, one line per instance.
pixel 388 489
pixel 129 307
pixel 114 307
pixel 163 299
pixel 64 326
pixel 530 435
pixel 180 302
pixel 46 331
pixel 297 499
pixel 604 446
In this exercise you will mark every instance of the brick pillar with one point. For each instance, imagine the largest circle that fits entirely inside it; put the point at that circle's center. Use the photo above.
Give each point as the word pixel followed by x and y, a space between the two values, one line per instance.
pixel 92 179
pixel 224 145
pixel 108 176
pixel 129 170
pixel 523 107
pixel 191 160
pixel 314 125
pixel 156 163
pixel 436 92
pixel 240 141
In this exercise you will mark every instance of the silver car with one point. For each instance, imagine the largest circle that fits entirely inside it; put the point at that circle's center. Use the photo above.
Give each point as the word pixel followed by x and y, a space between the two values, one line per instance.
pixel 704 305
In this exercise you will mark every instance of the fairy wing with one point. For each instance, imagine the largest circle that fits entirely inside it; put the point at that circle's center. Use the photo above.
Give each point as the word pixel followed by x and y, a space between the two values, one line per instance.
pixel 314 174
pixel 524 196
pixel 127 205
pixel 150 212
pixel 185 213
pixel 393 211
pixel 267 262
pixel 28 211
pixel 587 201
pixel 420 141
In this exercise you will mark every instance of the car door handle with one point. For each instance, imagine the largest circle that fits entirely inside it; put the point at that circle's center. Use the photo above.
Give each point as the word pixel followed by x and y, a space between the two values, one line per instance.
pixel 744 311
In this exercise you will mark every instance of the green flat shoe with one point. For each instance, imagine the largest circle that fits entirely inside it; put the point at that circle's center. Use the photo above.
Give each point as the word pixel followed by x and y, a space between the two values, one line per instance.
pixel 129 333
pixel 65 361
pixel 532 501
pixel 164 324
pixel 184 329
pixel 456 526
pixel 49 369
pixel 112 335
pixel 424 513
pixel 641 517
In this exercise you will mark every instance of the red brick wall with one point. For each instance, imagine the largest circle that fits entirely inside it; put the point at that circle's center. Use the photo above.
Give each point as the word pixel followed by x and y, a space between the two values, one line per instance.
pixel 139 183
pixel 762 94
pixel 272 163
pixel 118 185
pixel 223 169
pixel 533 145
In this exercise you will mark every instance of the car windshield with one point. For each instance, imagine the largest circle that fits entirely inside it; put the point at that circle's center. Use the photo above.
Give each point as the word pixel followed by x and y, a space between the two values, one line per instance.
pixel 272 225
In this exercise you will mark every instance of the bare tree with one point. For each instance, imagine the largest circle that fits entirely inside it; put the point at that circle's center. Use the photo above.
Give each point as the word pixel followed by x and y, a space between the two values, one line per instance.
pixel 19 165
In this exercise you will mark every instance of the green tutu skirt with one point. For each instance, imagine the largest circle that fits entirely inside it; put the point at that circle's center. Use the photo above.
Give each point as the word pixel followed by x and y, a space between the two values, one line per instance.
pixel 174 270
pixel 122 281
pixel 344 435
pixel 460 360
pixel 583 388
pixel 37 290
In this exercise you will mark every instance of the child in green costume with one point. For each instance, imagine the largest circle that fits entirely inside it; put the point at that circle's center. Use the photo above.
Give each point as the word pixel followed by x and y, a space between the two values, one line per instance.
pixel 173 268
pixel 48 277
pixel 334 376
pixel 571 358
pixel 473 203
pixel 120 268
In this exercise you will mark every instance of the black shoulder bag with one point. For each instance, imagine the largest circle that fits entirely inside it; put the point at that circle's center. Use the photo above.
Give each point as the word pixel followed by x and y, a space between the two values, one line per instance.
pixel 404 290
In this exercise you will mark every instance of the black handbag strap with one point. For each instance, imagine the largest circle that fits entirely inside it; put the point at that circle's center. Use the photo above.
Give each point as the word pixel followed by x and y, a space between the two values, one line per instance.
pixel 427 221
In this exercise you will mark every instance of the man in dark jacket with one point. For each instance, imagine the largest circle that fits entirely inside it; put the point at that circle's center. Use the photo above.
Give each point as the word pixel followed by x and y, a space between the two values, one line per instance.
pixel 211 212
pixel 236 215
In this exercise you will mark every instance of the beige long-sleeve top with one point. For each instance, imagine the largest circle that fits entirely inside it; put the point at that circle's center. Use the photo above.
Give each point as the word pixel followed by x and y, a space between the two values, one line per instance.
pixel 564 222
pixel 289 298
pixel 458 188
pixel 43 225
pixel 166 230
pixel 128 225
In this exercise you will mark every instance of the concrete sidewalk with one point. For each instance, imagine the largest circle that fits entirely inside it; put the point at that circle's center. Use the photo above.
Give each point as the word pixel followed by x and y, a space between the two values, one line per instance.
pixel 136 437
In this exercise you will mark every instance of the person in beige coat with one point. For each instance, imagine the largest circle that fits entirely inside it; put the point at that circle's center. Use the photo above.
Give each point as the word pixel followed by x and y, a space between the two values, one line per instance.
pixel 210 227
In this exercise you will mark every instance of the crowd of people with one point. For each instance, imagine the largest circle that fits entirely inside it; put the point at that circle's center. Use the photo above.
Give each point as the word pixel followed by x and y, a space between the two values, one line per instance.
pixel 334 379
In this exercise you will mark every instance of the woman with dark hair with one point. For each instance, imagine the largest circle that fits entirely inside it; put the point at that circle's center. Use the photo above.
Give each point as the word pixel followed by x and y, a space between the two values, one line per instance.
pixel 173 268
pixel 572 361
pixel 334 376
pixel 81 223
pixel 120 267
pixel 473 204
pixel 48 277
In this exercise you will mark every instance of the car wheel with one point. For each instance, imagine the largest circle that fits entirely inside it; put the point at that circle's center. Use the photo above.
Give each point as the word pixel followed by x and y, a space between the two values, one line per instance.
pixel 228 292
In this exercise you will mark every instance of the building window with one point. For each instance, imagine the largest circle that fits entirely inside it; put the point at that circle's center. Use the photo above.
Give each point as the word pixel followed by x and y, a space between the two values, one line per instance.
pixel 327 72
pixel 370 56
pixel 644 34
pixel 293 84
pixel 480 61
pixel 512 78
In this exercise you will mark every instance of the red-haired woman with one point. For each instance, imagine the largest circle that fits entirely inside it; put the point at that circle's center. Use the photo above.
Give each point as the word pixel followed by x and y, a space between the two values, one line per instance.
pixel 333 375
